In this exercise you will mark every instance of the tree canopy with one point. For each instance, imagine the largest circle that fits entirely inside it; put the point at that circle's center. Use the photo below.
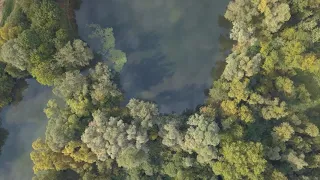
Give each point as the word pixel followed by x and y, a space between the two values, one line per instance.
pixel 260 120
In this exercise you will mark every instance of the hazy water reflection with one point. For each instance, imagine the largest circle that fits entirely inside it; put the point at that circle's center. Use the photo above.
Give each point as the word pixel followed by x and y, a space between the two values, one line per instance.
pixel 171 45
pixel 25 122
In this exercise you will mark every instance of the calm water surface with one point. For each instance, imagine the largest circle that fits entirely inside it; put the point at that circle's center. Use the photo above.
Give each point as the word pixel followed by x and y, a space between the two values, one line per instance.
pixel 171 46
pixel 25 122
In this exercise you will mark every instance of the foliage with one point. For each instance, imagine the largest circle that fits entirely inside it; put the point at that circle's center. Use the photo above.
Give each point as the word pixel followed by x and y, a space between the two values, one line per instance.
pixel 106 37
pixel 32 35
pixel 8 32
pixel 108 49
pixel 260 120
pixel 74 56
pixel 170 130
pixel 241 160
pixel 7 10
pixel 45 159
pixel 240 65
pixel 45 72
pixel 103 90
pixel 13 53
pixel 143 111
pixel 283 132
pixel 79 152
pixel 118 58
pixel 71 85
pixel 62 127
pixel 6 88
pixel 202 137
pixel 110 136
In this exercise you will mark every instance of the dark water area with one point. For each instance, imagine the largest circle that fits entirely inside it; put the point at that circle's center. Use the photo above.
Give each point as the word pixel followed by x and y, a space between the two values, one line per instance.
pixel 25 121
pixel 171 46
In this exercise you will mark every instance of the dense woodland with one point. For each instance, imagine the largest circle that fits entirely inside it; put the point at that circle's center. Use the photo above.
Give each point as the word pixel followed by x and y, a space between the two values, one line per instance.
pixel 260 119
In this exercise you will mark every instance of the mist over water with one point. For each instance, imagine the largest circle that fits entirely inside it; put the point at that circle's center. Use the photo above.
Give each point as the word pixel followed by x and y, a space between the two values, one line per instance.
pixel 171 46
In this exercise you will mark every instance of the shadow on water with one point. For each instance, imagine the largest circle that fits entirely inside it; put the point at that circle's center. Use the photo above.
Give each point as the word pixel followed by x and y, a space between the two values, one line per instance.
pixel 192 96
pixel 3 136
pixel 149 72
pixel 20 86
pixel 225 47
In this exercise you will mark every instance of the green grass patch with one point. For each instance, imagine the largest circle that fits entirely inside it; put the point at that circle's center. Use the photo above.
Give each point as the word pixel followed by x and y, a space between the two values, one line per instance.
pixel 7 9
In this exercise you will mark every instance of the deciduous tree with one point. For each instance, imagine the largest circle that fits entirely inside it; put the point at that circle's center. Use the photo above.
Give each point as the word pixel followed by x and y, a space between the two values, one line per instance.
pixel 74 55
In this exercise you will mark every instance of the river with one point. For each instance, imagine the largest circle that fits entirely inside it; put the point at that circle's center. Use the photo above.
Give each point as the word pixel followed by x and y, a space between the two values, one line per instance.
pixel 171 46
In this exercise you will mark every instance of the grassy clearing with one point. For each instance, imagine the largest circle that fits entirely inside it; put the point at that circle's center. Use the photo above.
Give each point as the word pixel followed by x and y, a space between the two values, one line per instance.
pixel 7 9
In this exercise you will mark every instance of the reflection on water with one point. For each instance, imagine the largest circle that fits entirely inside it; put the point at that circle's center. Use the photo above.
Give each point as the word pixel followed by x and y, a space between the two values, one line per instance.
pixel 25 121
pixel 171 45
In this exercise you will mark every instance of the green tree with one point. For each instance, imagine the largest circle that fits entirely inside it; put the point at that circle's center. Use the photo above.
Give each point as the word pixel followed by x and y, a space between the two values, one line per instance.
pixel 109 136
pixel 8 32
pixel 6 88
pixel 283 132
pixel 13 53
pixel 131 158
pixel 239 65
pixel 29 39
pixel 46 72
pixel 63 126
pixel 71 85
pixel 276 175
pixel 242 13
pixel 275 16
pixel 296 161
pixel 74 55
pixel 45 17
pixel 169 130
pixel 143 111
pixel 118 57
pixel 79 152
pixel 312 130
pixel 285 85
pixel 202 137
pixel 45 159
pixel 104 90
pixel 105 35
pixel 108 49
pixel 274 111
pixel 241 160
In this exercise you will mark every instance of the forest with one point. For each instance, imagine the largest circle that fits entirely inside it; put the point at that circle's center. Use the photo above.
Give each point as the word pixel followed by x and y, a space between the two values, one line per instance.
pixel 260 119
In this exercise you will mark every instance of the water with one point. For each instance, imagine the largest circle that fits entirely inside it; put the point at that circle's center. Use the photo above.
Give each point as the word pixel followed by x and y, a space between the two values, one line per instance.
pixel 25 122
pixel 171 45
